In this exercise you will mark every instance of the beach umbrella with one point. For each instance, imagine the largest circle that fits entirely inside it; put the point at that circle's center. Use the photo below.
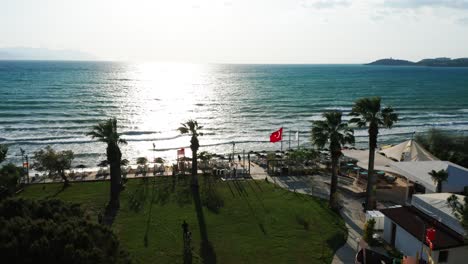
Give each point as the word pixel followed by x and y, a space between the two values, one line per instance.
pixel 159 160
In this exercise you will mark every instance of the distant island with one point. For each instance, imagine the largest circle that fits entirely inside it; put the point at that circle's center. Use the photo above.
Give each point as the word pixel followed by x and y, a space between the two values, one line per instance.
pixel 437 62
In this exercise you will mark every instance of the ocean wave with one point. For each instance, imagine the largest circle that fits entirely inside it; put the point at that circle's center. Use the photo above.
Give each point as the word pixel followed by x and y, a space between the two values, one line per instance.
pixel 138 133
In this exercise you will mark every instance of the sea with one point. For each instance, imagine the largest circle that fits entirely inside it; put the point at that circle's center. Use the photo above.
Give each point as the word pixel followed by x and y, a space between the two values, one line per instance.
pixel 56 103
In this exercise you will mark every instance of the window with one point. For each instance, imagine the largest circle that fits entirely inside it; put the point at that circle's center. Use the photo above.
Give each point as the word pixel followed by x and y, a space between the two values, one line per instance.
pixel 443 256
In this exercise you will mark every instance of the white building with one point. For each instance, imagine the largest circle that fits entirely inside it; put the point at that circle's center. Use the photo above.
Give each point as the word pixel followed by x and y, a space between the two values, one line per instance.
pixel 404 228
pixel 418 171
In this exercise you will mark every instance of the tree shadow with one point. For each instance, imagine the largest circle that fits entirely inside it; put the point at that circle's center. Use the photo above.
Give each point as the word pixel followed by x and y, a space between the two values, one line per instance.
pixel 206 249
pixel 64 187
pixel 137 199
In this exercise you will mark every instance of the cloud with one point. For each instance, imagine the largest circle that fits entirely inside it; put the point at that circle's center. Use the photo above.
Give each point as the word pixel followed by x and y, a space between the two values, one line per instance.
pixel 413 4
pixel 325 4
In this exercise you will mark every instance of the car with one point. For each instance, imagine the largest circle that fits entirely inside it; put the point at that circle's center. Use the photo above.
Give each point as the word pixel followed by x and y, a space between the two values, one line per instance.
pixel 372 257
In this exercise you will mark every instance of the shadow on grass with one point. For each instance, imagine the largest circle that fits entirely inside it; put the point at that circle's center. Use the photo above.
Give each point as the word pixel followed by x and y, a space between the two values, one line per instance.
pixel 206 249
pixel 64 187
pixel 138 198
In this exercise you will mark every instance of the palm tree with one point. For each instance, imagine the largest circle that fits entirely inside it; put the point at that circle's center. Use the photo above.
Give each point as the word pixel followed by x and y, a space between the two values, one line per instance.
pixel 368 113
pixel 439 177
pixel 106 132
pixel 334 133
pixel 192 128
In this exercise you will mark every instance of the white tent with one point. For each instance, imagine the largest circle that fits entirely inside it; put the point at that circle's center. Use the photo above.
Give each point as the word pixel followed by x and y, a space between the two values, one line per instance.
pixel 409 150
pixel 362 156
pixel 418 171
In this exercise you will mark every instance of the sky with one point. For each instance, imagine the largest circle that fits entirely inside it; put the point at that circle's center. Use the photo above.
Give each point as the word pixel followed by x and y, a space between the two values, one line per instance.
pixel 240 31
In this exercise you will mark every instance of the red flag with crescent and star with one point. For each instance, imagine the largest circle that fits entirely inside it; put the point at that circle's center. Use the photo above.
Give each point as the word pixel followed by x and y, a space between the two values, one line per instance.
pixel 276 136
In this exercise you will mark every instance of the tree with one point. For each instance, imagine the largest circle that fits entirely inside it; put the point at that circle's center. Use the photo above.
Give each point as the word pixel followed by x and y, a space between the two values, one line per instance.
pixel 205 158
pixel 106 132
pixel 367 112
pixel 336 134
pixel 52 231
pixel 439 177
pixel 9 178
pixel 192 128
pixel 446 146
pixel 460 210
pixel 142 161
pixel 3 152
pixel 53 162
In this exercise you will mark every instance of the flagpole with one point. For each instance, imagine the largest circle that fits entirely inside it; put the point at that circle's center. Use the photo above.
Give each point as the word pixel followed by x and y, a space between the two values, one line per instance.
pixel 298 139
pixel 289 139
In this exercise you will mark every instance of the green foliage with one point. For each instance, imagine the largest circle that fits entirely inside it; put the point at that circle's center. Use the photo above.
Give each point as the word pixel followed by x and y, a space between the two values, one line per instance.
pixel 52 231
pixel 9 177
pixel 142 160
pixel 331 131
pixel 3 152
pixel 446 146
pixel 301 155
pixel 336 134
pixel 369 231
pixel 460 211
pixel 439 177
pixel 53 162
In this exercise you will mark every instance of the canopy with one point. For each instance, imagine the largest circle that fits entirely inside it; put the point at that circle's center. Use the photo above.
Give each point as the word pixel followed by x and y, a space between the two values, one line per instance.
pixel 362 156
pixel 409 150
pixel 418 171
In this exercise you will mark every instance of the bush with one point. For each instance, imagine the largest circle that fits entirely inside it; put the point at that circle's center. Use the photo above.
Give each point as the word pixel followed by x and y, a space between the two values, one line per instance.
pixel 51 231
pixel 446 146
pixel 9 177
pixel 369 231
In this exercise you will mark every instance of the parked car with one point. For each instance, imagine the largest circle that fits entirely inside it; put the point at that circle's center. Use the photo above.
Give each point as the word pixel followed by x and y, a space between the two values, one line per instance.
pixel 372 257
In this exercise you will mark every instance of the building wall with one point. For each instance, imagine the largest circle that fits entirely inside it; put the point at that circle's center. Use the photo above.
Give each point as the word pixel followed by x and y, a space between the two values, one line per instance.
pixel 455 256
pixel 410 245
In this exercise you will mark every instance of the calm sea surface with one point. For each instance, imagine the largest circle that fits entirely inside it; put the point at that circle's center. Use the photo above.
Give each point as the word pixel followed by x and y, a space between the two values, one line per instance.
pixel 56 103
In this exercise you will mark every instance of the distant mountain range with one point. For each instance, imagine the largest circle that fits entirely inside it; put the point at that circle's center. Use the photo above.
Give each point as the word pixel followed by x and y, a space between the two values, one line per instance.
pixel 437 62
pixel 20 53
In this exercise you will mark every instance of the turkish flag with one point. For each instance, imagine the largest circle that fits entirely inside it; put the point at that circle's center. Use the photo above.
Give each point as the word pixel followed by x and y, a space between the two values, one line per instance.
pixel 276 136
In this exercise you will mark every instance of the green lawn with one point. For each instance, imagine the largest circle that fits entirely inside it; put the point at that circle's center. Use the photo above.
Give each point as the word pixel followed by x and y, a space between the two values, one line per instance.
pixel 257 223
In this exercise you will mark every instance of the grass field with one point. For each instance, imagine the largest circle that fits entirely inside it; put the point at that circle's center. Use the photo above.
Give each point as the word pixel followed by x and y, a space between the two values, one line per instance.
pixel 231 222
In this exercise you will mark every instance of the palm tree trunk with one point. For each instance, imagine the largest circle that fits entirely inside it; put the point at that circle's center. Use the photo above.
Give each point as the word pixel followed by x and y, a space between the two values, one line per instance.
pixel 194 168
pixel 439 187
pixel 115 181
pixel 114 156
pixel 370 201
pixel 334 181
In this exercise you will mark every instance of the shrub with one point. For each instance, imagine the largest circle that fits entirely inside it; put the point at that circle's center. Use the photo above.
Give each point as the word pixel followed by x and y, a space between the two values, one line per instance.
pixel 369 231
pixel 51 231
pixel 9 176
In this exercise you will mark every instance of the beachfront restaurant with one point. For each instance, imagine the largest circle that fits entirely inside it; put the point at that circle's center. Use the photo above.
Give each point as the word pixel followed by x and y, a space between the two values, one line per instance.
pixel 405 229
